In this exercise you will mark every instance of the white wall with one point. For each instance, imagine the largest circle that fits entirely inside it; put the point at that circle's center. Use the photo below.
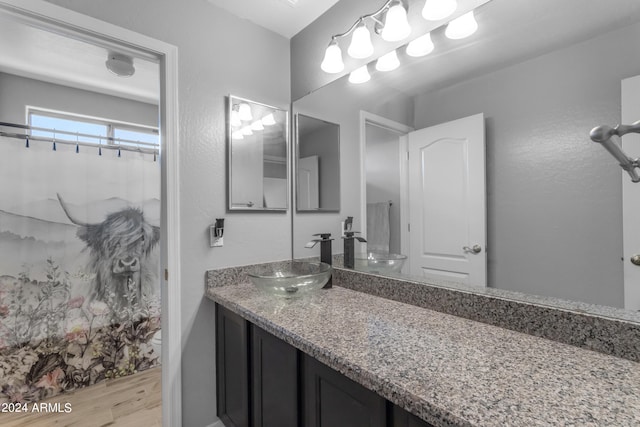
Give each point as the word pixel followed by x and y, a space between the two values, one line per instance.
pixel 554 197
pixel 17 92
pixel 219 54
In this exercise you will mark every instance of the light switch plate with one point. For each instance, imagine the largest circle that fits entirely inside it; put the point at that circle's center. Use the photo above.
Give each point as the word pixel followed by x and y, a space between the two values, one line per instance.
pixel 215 242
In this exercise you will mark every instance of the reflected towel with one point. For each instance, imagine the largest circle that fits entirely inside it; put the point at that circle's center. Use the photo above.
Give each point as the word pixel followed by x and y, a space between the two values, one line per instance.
pixel 378 233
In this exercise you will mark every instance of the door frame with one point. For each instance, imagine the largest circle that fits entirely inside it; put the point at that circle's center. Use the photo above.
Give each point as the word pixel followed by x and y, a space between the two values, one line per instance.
pixel 367 118
pixel 49 16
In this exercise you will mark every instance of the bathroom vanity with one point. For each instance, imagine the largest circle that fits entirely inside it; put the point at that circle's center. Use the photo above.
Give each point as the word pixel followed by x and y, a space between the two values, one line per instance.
pixel 339 353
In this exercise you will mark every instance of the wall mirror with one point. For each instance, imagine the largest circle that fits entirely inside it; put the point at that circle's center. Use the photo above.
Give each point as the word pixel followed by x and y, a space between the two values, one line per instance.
pixel 258 148
pixel 554 199
pixel 317 165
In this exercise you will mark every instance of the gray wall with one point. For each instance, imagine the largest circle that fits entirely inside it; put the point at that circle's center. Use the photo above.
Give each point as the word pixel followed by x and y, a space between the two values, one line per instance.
pixel 316 143
pixel 554 197
pixel 383 177
pixel 17 92
pixel 218 54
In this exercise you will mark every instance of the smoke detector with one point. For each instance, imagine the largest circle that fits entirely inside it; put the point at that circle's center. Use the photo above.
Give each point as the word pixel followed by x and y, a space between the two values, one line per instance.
pixel 120 64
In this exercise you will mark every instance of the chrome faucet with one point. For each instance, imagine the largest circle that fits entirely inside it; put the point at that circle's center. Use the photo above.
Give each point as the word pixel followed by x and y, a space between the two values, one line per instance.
pixel 325 251
pixel 349 237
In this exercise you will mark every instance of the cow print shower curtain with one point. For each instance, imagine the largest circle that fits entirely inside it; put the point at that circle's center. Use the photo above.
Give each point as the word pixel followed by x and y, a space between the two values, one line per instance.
pixel 79 267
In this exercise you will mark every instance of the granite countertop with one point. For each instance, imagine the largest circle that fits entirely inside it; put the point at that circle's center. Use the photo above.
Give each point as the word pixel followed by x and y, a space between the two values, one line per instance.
pixel 446 369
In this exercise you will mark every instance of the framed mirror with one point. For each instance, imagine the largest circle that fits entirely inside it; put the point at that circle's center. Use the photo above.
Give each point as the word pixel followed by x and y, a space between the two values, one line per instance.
pixel 317 165
pixel 258 148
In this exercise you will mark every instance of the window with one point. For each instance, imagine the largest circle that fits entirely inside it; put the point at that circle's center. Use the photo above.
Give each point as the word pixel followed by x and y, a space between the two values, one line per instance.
pixel 71 127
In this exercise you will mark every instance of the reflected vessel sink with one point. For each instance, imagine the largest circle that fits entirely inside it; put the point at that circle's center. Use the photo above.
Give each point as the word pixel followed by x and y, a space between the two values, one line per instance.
pixel 290 279
pixel 379 262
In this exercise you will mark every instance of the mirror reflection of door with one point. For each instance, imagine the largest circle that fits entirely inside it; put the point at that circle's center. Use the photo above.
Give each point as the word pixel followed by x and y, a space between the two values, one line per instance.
pixel 318 165
pixel 308 185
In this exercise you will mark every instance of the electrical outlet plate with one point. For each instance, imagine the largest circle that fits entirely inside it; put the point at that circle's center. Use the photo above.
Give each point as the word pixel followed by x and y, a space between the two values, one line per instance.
pixel 215 242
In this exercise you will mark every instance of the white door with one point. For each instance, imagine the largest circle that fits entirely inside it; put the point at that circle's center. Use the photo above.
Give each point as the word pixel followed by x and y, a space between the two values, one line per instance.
pixel 631 195
pixel 308 183
pixel 447 208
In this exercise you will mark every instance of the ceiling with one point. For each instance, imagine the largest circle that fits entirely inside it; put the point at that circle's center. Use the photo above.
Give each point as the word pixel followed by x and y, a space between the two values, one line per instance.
pixel 39 54
pixel 285 17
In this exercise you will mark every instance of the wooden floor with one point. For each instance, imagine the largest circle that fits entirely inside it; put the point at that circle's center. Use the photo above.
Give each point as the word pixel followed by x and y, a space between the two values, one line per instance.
pixel 133 401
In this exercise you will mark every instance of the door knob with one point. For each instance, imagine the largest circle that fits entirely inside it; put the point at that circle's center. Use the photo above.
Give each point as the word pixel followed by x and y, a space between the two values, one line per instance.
pixel 635 259
pixel 475 249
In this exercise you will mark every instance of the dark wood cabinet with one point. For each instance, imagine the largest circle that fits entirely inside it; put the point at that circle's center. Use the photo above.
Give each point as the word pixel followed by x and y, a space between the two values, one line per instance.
pixel 402 418
pixel 232 368
pixel 333 400
pixel 264 382
pixel 274 381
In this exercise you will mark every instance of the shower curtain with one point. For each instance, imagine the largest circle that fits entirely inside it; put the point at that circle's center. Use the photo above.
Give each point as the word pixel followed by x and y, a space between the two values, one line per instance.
pixel 79 261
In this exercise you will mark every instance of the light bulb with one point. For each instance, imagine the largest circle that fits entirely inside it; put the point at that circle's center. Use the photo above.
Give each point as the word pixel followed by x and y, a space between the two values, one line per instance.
pixel 359 75
pixel 268 120
pixel 332 62
pixel 244 112
pixel 235 118
pixel 388 62
pixel 247 131
pixel 396 26
pixel 435 10
pixel 421 46
pixel 360 46
pixel 462 27
pixel 237 135
pixel 257 125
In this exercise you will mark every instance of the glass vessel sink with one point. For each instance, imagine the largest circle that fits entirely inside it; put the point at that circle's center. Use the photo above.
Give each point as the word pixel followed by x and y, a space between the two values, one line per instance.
pixel 291 278
pixel 379 262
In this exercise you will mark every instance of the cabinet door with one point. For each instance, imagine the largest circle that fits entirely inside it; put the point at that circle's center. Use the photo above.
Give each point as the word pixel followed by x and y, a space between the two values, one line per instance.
pixel 333 400
pixel 274 381
pixel 402 418
pixel 232 368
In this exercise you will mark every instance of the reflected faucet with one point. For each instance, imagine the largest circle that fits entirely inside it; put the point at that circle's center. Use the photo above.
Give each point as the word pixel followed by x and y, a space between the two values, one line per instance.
pixel 349 237
pixel 325 251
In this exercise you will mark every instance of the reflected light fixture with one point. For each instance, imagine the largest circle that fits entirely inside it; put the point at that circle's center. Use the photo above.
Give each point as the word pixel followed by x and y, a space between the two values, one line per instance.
pixel 435 10
pixel 244 112
pixel 388 62
pixel 268 120
pixel 462 27
pixel 396 26
pixel 235 117
pixel 359 75
pixel 360 47
pixel 257 125
pixel 332 62
pixel 247 131
pixel 421 46
pixel 120 64
pixel 237 134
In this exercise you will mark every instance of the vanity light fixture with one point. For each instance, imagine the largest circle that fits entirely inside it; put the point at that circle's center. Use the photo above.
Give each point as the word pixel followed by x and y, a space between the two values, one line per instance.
pixel 244 112
pixel 388 62
pixel 396 26
pixel 421 46
pixel 360 47
pixel 435 10
pixel 462 27
pixel 332 62
pixel 235 117
pixel 359 75
pixel 268 120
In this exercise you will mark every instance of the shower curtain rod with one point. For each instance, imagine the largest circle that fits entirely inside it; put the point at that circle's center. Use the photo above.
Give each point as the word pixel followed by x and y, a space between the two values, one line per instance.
pixel 111 143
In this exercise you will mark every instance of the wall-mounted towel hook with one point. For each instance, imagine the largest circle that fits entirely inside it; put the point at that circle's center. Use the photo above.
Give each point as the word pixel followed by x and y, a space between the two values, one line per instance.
pixel 100 147
pixel 54 140
pixel 77 144
pixel 27 139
